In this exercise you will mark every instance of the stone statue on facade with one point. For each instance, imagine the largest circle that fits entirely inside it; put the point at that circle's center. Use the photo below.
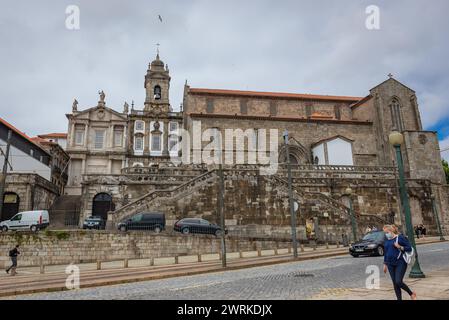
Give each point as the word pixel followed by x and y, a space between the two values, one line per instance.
pixel 126 107
pixel 75 105
pixel 102 95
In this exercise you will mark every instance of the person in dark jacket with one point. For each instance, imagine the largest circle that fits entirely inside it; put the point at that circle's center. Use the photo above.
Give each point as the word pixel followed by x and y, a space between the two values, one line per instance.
pixel 13 255
pixel 417 231
pixel 423 231
pixel 395 246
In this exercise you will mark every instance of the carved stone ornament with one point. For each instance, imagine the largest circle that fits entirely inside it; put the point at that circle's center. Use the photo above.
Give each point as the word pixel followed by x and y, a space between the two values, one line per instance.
pixel 100 114
pixel 422 139
pixel 157 110
pixel 156 125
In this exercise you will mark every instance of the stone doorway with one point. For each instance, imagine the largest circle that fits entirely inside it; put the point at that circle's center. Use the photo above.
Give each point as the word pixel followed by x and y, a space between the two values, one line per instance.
pixel 101 205
pixel 11 202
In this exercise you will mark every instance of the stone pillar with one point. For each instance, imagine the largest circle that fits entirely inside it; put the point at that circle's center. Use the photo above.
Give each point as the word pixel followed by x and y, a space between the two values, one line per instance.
pixel 72 135
pixel 165 139
pixel 109 169
pixel 86 135
pixel 83 167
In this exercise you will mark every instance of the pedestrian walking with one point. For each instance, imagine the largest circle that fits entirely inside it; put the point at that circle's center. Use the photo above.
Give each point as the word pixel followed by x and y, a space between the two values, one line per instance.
pixel 13 253
pixel 417 232
pixel 423 231
pixel 397 255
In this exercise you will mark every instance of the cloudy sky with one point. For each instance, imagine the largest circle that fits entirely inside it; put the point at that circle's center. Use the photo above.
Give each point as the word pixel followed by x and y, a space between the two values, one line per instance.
pixel 288 46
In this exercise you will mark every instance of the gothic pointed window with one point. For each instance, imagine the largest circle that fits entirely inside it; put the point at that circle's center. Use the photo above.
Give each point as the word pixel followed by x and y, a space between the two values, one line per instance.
pixel 396 116
pixel 157 93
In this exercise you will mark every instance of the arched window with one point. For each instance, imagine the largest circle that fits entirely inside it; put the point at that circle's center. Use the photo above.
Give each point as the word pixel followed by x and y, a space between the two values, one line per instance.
pixel 157 92
pixel 396 116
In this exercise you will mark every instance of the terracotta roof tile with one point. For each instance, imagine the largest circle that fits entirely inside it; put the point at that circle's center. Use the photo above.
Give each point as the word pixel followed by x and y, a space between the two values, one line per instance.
pixel 273 94
pixel 20 133
pixel 53 135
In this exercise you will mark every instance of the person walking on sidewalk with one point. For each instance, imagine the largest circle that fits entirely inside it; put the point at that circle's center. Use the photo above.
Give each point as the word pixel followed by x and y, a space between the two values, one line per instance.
pixel 13 255
pixel 395 247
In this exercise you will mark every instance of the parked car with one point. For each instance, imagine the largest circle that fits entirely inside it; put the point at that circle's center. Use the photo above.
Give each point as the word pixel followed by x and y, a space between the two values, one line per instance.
pixel 372 244
pixel 27 220
pixel 144 221
pixel 94 222
pixel 195 225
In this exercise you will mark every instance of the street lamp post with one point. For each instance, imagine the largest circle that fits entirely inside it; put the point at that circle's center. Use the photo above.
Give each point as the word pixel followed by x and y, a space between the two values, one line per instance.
pixel 437 219
pixel 290 197
pixel 348 193
pixel 396 139
pixel 221 214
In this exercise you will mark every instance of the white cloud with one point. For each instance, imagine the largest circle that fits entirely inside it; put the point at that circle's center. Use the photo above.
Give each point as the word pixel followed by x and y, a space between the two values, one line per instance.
pixel 293 46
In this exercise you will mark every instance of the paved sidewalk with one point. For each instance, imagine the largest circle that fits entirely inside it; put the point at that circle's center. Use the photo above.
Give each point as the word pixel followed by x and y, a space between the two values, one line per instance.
pixel 434 287
pixel 30 280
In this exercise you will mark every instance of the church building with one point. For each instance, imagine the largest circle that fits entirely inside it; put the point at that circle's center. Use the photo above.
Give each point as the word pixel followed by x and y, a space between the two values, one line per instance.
pixel 122 160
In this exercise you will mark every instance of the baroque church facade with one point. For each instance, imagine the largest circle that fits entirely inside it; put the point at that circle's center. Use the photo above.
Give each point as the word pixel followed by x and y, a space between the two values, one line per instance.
pixel 121 161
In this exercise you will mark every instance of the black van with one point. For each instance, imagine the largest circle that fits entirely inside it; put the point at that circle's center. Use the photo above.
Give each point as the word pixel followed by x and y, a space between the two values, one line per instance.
pixel 154 221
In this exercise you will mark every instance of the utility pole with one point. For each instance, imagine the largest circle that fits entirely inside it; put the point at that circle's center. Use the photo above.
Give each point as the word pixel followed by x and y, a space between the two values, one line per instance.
pixel 4 171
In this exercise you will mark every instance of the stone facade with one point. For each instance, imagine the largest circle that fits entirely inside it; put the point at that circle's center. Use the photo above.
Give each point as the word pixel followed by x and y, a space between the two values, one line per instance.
pixel 32 192
pixel 334 142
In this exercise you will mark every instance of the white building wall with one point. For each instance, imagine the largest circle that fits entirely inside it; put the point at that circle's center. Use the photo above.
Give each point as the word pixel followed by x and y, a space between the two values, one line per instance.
pixel 339 152
pixel 318 151
pixel 22 162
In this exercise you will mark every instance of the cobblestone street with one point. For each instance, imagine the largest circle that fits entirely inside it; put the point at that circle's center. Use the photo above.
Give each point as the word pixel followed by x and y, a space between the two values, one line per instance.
pixel 297 280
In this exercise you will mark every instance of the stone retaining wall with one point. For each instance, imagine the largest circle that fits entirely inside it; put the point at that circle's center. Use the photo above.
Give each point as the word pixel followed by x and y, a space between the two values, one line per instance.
pixel 65 247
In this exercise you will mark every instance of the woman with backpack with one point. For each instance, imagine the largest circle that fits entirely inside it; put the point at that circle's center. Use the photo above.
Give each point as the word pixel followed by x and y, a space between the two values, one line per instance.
pixel 398 251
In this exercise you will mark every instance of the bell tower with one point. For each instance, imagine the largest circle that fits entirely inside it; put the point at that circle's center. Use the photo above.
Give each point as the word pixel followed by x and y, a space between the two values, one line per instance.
pixel 157 86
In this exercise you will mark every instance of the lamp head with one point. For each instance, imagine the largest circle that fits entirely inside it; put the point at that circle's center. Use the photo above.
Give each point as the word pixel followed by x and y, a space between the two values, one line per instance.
pixel 285 135
pixel 396 138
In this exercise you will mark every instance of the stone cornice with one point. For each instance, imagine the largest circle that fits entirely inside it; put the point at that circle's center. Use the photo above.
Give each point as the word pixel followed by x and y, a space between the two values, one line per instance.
pixel 284 119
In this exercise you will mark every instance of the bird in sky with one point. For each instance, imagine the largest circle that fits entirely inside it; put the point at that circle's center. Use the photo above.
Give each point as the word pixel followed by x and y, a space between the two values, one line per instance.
pixel 160 18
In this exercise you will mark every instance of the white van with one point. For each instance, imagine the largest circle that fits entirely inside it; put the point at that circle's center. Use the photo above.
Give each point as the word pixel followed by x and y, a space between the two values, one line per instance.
pixel 27 220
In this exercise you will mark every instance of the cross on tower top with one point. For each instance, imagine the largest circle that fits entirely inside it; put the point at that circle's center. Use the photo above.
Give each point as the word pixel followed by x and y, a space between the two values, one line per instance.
pixel 390 75
pixel 157 48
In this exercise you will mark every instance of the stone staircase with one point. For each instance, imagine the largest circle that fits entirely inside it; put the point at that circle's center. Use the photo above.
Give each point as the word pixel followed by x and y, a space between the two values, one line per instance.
pixel 153 198
pixel 158 198
pixel 312 198
pixel 65 212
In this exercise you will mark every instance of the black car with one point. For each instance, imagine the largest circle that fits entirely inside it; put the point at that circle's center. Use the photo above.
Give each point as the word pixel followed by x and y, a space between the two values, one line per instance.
pixel 195 225
pixel 94 222
pixel 372 244
pixel 154 221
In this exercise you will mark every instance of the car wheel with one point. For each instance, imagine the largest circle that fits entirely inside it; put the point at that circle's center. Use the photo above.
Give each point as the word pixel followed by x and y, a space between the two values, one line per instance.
pixel 33 228
pixel 380 251
pixel 185 231
pixel 157 229
pixel 123 228
pixel 218 233
pixel 4 228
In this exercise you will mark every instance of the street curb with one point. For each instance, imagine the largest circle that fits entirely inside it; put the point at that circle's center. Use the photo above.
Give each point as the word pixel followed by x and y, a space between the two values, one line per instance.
pixel 188 273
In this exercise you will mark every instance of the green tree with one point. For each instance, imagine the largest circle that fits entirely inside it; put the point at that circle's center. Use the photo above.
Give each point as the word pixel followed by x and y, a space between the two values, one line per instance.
pixel 446 170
